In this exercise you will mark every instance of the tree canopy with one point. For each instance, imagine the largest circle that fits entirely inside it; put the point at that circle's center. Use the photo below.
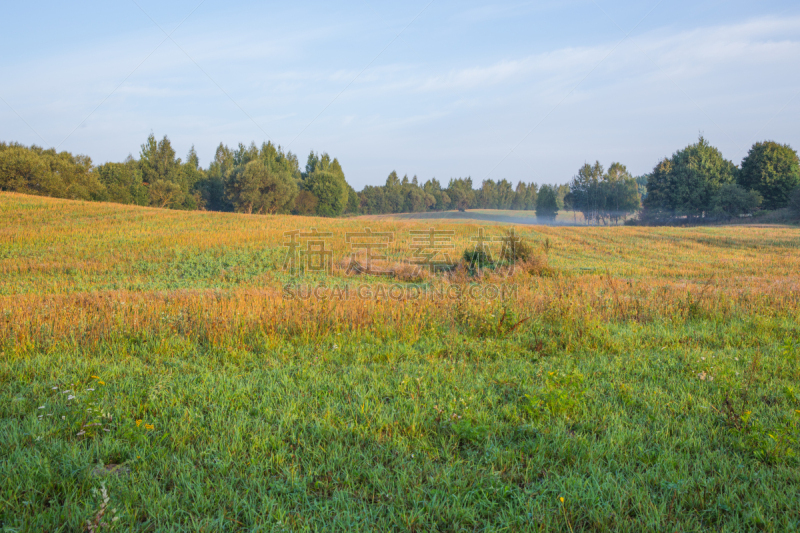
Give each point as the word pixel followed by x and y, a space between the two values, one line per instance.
pixel 547 203
pixel 683 185
pixel 773 170
pixel 603 196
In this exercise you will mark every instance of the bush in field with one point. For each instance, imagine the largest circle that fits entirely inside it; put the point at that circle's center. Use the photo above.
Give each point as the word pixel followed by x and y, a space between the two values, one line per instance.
pixel 522 250
pixel 515 252
pixel 529 260
pixel 477 258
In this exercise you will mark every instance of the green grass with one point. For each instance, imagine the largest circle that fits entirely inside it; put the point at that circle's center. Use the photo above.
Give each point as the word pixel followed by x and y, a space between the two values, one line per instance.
pixel 445 432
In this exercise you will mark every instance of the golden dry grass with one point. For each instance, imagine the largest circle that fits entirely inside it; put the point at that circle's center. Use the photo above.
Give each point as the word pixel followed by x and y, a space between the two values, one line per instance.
pixel 88 270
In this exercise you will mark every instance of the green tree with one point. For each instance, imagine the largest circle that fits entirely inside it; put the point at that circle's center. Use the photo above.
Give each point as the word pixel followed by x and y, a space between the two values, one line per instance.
pixel 505 194
pixel 324 178
pixel 393 193
pixel 461 194
pixel 586 193
pixel 561 192
pixel 212 186
pixel 24 171
pixel 532 197
pixel 353 203
pixel 305 204
pixel 622 193
pixel 547 203
pixel 641 181
pixel 257 188
pixel 165 194
pixel 372 200
pixel 48 173
pixel 520 196
pixel 732 200
pixel 417 200
pixel 330 190
pixel 157 161
pixel 486 197
pixel 440 198
pixel 684 184
pixel 193 177
pixel 123 182
pixel 773 170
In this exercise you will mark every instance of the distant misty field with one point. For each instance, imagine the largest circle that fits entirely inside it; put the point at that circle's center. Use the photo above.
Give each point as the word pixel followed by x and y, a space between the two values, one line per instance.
pixel 504 216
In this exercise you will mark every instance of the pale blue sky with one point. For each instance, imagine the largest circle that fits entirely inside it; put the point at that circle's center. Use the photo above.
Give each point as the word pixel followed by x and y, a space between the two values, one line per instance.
pixel 518 90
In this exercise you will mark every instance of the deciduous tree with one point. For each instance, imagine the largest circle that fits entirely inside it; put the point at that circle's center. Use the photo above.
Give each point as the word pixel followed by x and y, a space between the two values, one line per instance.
pixel 773 170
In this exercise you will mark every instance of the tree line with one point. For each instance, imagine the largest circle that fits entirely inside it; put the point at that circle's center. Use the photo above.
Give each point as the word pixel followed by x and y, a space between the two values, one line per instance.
pixel 409 196
pixel 698 184
pixel 251 179
pixel 694 184
pixel 247 179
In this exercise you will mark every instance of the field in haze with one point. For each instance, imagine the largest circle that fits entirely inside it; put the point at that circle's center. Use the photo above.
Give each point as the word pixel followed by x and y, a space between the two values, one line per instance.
pixel 502 216
pixel 635 379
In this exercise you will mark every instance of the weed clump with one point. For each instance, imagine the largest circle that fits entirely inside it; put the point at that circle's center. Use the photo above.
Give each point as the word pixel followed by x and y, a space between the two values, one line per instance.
pixel 515 253
pixel 477 259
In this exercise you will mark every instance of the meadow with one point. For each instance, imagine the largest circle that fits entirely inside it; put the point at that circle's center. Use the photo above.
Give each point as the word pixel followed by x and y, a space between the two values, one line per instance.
pixel 155 377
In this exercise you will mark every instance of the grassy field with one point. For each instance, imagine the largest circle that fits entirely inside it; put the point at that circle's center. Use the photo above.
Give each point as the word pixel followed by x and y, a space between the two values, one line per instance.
pixel 645 379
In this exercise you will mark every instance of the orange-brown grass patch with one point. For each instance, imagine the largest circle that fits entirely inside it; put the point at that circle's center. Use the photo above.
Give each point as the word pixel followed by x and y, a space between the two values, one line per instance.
pixel 63 263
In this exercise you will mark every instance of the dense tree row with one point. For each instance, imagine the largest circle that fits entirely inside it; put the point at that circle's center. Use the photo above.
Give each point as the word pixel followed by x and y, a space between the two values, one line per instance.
pixel 247 179
pixel 695 184
pixel 698 183
pixel 408 196
pixel 604 196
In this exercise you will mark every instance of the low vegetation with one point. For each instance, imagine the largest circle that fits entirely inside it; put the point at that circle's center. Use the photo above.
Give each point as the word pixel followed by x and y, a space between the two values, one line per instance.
pixel 155 377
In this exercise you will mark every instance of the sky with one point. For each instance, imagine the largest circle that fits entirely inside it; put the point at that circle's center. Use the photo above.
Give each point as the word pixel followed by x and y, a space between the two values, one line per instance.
pixel 518 90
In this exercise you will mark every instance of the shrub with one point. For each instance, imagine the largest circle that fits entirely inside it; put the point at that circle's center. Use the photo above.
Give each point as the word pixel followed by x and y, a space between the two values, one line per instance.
pixel 522 250
pixel 476 258
pixel 732 201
